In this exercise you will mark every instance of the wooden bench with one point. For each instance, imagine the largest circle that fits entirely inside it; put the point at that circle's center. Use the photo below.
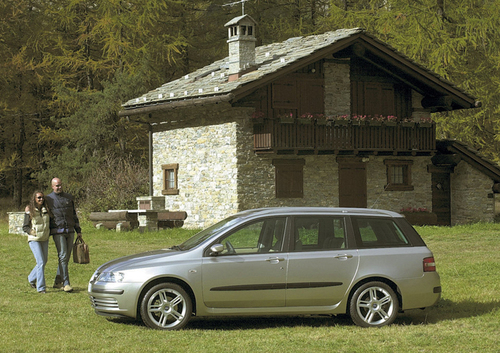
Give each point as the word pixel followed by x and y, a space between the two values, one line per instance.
pixel 169 219
pixel 110 220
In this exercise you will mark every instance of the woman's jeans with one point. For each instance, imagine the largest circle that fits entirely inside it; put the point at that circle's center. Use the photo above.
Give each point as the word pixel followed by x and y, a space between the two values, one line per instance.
pixel 40 250
pixel 64 246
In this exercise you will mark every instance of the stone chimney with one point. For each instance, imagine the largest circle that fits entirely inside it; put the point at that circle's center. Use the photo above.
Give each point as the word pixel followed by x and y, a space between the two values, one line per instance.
pixel 241 33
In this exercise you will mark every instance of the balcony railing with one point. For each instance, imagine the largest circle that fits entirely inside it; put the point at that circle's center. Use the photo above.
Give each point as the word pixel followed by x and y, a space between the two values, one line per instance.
pixel 404 138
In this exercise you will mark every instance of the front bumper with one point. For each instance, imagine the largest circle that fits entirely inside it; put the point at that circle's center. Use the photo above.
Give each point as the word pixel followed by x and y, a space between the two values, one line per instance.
pixel 114 299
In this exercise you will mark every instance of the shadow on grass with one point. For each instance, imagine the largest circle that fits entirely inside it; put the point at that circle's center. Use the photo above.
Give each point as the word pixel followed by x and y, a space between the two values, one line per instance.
pixel 447 310
pixel 252 323
pixel 443 311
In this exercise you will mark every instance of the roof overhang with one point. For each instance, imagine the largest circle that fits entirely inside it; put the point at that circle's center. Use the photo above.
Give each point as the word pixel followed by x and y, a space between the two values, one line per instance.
pixel 170 105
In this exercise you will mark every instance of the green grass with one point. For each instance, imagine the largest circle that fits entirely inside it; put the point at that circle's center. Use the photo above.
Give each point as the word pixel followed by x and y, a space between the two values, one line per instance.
pixel 467 319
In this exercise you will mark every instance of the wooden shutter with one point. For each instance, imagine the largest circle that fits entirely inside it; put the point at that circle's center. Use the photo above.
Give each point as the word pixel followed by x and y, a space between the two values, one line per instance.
pixel 378 99
pixel 285 95
pixel 311 96
pixel 289 178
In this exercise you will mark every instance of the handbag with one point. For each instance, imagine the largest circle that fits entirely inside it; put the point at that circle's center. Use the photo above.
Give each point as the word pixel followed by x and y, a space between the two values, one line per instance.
pixel 80 252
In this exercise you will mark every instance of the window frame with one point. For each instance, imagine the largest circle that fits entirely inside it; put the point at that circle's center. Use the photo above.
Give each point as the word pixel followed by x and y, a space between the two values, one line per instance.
pixel 174 167
pixel 406 185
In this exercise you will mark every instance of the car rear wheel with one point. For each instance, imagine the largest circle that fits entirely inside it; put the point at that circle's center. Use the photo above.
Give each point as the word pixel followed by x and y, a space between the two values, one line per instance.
pixel 166 306
pixel 374 304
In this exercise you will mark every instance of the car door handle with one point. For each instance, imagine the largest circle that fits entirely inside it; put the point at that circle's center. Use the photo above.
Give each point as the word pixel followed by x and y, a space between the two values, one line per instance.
pixel 344 256
pixel 273 259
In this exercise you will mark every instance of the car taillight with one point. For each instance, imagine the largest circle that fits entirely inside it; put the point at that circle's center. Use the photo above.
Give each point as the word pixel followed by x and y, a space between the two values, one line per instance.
pixel 429 264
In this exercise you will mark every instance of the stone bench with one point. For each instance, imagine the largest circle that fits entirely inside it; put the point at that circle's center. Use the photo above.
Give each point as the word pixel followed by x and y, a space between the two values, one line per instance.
pixel 121 220
pixel 170 219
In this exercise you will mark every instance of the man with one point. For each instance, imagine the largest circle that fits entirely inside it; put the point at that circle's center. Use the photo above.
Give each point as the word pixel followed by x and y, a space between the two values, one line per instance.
pixel 62 227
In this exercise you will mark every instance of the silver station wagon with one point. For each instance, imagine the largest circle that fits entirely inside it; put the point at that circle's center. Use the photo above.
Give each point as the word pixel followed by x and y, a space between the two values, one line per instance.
pixel 369 264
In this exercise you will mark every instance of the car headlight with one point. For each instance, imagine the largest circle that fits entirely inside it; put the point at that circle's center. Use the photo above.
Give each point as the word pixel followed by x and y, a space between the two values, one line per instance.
pixel 113 277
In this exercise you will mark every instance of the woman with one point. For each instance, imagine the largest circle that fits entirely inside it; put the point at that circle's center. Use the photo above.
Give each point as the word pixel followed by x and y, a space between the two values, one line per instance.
pixel 37 226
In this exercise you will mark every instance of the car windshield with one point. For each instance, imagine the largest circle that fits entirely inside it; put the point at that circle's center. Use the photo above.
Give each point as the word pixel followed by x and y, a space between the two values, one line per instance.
pixel 200 237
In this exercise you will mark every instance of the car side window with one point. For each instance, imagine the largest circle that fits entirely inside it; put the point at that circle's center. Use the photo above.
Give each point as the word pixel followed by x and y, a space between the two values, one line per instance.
pixel 379 233
pixel 256 237
pixel 318 233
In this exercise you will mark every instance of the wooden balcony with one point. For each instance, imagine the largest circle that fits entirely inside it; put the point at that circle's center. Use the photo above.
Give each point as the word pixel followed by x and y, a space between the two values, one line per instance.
pixel 272 136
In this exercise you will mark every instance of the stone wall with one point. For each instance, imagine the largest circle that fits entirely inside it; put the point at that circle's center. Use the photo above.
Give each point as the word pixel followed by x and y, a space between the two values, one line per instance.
pixel 376 178
pixel 337 88
pixel 256 187
pixel 207 158
pixel 471 196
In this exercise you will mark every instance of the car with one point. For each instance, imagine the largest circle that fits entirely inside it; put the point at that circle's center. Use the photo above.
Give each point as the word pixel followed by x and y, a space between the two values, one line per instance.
pixel 370 264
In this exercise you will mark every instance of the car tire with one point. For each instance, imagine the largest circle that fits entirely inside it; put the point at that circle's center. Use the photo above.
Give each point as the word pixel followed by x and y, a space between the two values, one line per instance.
pixel 374 304
pixel 166 306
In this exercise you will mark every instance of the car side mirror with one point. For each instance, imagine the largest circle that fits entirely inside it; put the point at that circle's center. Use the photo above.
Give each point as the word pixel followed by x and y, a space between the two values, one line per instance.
pixel 216 249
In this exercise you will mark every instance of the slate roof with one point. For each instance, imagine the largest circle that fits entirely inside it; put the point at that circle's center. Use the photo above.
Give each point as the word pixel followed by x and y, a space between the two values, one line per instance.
pixel 471 156
pixel 212 81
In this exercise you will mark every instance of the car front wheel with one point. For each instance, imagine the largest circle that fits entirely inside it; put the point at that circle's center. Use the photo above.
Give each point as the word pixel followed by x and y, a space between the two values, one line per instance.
pixel 166 306
pixel 374 304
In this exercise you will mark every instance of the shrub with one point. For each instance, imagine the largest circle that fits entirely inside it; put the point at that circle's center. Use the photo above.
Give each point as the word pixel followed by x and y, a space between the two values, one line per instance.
pixel 114 185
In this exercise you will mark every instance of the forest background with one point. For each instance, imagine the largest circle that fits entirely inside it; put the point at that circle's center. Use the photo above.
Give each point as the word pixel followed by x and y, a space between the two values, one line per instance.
pixel 67 65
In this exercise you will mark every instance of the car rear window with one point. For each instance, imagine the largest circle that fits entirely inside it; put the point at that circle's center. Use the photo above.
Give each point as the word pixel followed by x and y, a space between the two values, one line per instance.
pixel 378 233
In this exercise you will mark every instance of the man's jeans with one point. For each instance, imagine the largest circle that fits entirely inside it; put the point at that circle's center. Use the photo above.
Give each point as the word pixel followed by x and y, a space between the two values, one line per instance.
pixel 64 246
pixel 40 250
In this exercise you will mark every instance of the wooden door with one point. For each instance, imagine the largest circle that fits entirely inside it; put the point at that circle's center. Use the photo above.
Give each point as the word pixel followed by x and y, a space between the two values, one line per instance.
pixel 441 196
pixel 352 184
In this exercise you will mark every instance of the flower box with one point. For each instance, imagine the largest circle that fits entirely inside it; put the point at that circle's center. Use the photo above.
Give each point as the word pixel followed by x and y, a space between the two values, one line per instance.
pixel 390 123
pixel 287 120
pixel 408 124
pixel 304 121
pixel 257 121
pixel 341 122
pixel 321 121
pixel 375 123
pixel 425 124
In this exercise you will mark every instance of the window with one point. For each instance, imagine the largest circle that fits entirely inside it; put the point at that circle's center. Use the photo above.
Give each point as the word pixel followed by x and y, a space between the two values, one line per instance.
pixel 258 237
pixel 318 233
pixel 398 175
pixel 289 178
pixel 170 185
pixel 378 233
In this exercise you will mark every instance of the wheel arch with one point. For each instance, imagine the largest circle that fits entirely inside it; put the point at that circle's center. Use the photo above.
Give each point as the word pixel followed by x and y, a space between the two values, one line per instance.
pixel 387 281
pixel 159 280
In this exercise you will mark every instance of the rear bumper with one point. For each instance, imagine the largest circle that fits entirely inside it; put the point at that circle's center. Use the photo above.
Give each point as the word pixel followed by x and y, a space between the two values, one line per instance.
pixel 420 292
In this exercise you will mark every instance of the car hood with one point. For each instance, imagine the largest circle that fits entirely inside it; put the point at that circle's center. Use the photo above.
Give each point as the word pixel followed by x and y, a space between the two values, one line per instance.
pixel 136 261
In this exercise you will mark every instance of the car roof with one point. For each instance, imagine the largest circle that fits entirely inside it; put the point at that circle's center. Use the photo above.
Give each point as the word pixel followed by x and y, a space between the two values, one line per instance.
pixel 289 211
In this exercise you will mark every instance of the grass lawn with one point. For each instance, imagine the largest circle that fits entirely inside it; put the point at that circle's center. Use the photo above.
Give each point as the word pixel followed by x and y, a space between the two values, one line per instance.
pixel 467 319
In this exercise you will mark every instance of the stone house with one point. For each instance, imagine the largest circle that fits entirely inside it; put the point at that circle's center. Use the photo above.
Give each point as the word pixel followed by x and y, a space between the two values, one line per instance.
pixel 336 119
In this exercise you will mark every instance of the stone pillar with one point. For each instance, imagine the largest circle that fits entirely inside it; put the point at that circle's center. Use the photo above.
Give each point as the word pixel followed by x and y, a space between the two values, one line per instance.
pixel 148 220
pixel 16 220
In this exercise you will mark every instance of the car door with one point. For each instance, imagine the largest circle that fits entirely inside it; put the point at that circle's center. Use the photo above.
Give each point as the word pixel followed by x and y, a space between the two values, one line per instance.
pixel 321 267
pixel 251 271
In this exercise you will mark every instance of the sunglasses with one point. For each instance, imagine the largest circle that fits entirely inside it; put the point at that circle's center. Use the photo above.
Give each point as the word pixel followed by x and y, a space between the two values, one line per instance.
pixel 39 197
